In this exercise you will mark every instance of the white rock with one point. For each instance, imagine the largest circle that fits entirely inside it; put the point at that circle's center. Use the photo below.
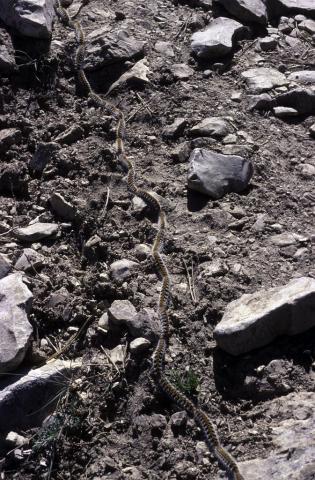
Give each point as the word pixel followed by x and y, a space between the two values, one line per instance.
pixel 122 312
pixel 256 319
pixel 122 269
pixel 284 112
pixel 32 18
pixel 37 231
pixel 211 127
pixel 139 345
pixel 29 260
pixel 15 329
pixel 304 77
pixel 218 39
pixel 118 355
pixel 27 401
pixel 262 79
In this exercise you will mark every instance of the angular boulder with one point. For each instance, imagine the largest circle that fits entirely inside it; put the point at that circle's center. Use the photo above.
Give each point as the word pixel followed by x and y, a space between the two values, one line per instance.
pixel 215 174
pixel 32 18
pixel 15 329
pixel 247 10
pixel 262 79
pixel 254 320
pixel 218 39
pixel 36 231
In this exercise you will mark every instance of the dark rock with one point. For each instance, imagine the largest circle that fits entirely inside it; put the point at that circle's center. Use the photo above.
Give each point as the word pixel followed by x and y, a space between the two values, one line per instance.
pixel 247 10
pixel 9 137
pixel 14 178
pixel 301 99
pixel 43 155
pixel 176 129
pixel 37 231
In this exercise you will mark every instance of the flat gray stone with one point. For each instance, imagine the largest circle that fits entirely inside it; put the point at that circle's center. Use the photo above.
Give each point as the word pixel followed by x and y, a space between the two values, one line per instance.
pixel 283 7
pixel 166 48
pixel 284 112
pixel 7 60
pixel 302 99
pixel 256 319
pixel 308 25
pixel 37 231
pixel 136 76
pixel 304 77
pixel 262 79
pixel 121 312
pixel 283 239
pixel 139 345
pixel 211 127
pixel 181 71
pixel 32 18
pixel 63 208
pixel 29 260
pixel 44 155
pixel 15 329
pixel 122 269
pixel 28 399
pixel 105 48
pixel 295 434
pixel 216 174
pixel 268 43
pixel 218 39
pixel 247 10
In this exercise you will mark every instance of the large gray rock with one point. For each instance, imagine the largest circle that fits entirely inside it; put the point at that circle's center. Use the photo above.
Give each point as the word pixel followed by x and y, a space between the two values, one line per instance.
pixel 302 99
pixel 105 48
pixel 36 231
pixel 282 7
pixel 211 127
pixel 27 401
pixel 305 77
pixel 294 432
pixel 262 79
pixel 247 10
pixel 32 18
pixel 218 39
pixel 15 329
pixel 215 174
pixel 256 319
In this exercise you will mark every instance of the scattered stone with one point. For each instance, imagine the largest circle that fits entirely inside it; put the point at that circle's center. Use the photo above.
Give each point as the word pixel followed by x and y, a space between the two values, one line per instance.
pixel 246 10
pixel 145 324
pixel 294 433
pixel 307 170
pixel 176 129
pixel 306 77
pixel 29 260
pixel 181 71
pixel 308 25
pixel 166 48
pixel 72 135
pixel 268 43
pixel 60 297
pixel 5 265
pixel 27 401
pixel 256 319
pixel 37 231
pixel 7 61
pixel 137 76
pixel 283 239
pixel 262 79
pixel 63 208
pixel 215 174
pixel 122 269
pixel 284 112
pixel 9 137
pixel 178 420
pixel 302 99
pixel 32 18
pixel 139 345
pixel 299 18
pixel 142 251
pixel 312 130
pixel 230 139
pixel 211 127
pixel 105 48
pixel 236 97
pixel 15 329
pixel 14 178
pixel 181 152
pixel 215 268
pixel 16 440
pixel 118 355
pixel 218 39
pixel 121 312
pixel 43 155
pixel 260 102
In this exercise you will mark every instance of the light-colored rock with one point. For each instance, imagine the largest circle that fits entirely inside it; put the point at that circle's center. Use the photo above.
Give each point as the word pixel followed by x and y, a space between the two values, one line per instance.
pixel 5 265
pixel 215 174
pixel 8 137
pixel 136 76
pixel 166 48
pixel 308 25
pixel 29 260
pixel 285 112
pixel 118 355
pixel 304 77
pixel 283 239
pixel 122 269
pixel 103 322
pixel 142 251
pixel 15 329
pixel 104 48
pixel 256 319
pixel 294 433
pixel 37 231
pixel 218 39
pixel 215 268
pixel 211 127
pixel 27 401
pixel 262 79
pixel 247 10
pixel 7 61
pixel 63 208
pixel 181 71
pixel 16 440
pixel 307 170
pixel 32 18
pixel 139 345
pixel 121 312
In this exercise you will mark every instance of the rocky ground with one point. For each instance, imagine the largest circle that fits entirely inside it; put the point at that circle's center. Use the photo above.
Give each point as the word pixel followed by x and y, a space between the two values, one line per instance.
pixel 220 107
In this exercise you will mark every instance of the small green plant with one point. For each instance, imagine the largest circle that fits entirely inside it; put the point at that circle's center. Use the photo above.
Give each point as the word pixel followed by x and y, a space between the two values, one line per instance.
pixel 186 382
